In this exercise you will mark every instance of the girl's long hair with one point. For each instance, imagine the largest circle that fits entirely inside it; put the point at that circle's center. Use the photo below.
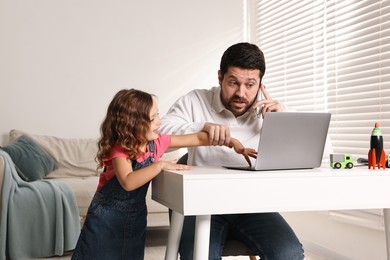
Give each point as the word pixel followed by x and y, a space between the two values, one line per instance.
pixel 126 123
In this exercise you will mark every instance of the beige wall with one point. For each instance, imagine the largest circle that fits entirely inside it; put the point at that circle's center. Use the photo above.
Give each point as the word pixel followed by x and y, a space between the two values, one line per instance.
pixel 61 61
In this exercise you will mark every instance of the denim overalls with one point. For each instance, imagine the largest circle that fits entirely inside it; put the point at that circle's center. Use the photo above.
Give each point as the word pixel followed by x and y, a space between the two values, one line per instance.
pixel 115 226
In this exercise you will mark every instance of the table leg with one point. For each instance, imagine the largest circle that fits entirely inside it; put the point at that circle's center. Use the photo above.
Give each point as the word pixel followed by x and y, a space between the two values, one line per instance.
pixel 174 236
pixel 386 214
pixel 202 237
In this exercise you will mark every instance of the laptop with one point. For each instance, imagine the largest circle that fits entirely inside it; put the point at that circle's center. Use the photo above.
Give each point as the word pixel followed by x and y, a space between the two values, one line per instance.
pixel 290 140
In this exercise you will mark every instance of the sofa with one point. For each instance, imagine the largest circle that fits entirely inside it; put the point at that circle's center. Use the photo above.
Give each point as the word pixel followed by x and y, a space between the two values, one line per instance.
pixel 69 164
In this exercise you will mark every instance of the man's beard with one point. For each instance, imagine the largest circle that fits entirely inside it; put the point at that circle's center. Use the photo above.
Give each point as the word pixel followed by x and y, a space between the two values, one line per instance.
pixel 232 106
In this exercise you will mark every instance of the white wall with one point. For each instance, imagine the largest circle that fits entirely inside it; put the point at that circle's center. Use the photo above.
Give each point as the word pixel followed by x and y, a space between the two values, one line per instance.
pixel 61 61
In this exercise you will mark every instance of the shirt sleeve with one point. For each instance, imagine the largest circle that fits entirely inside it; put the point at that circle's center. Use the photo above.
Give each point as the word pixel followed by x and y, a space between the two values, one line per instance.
pixel 162 143
pixel 180 119
pixel 117 151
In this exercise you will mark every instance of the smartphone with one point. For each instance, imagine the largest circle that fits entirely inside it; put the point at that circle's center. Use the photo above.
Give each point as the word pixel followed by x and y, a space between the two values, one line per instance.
pixel 258 98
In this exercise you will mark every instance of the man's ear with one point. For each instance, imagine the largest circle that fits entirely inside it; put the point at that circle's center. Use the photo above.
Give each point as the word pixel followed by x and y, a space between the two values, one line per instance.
pixel 220 77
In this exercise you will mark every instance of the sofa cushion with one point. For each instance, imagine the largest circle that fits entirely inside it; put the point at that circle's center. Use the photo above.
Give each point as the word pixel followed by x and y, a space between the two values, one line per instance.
pixel 84 189
pixel 31 161
pixel 73 157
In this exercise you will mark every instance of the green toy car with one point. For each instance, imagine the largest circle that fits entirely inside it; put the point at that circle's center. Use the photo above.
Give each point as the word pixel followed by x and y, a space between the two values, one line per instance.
pixel 338 161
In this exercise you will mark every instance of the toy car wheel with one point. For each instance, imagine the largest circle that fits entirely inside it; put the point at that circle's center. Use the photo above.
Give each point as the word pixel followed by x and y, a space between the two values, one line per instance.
pixel 337 165
pixel 349 165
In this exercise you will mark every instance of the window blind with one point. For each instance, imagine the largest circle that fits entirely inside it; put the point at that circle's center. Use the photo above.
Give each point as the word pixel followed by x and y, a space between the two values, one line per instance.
pixel 329 55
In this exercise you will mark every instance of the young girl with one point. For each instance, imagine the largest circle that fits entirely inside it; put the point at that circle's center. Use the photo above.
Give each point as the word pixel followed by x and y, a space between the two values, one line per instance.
pixel 129 149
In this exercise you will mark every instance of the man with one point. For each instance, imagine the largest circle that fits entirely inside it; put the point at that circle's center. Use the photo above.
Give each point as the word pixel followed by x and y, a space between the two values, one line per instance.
pixel 224 111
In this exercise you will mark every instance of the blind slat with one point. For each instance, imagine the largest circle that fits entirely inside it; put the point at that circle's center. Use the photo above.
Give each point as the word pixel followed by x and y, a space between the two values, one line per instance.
pixel 333 56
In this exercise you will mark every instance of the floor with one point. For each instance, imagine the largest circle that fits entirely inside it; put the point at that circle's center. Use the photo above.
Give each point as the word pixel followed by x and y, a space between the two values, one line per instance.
pixel 155 248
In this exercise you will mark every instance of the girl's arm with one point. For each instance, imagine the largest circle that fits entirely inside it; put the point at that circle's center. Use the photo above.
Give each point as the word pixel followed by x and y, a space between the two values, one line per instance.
pixel 131 180
pixel 202 139
pixel 190 140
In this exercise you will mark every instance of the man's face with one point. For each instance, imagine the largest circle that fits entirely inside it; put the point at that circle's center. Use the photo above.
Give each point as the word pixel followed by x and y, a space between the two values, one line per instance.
pixel 239 88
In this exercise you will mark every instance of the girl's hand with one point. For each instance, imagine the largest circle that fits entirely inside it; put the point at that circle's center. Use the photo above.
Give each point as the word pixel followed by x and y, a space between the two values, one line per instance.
pixel 172 165
pixel 247 152
pixel 240 149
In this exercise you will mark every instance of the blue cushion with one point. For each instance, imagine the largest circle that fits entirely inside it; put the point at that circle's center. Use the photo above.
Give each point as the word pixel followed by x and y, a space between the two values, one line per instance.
pixel 31 161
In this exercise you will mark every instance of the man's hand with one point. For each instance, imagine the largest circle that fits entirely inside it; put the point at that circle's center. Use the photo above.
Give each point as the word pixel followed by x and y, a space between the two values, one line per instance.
pixel 267 104
pixel 218 134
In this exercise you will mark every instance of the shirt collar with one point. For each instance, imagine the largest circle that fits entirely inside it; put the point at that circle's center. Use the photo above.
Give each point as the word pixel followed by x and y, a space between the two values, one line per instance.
pixel 216 101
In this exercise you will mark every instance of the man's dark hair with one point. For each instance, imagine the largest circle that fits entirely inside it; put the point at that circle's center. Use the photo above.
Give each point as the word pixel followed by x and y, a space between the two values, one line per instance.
pixel 243 55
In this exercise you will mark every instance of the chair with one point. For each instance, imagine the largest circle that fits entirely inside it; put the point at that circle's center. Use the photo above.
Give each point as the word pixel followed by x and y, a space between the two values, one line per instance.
pixel 232 247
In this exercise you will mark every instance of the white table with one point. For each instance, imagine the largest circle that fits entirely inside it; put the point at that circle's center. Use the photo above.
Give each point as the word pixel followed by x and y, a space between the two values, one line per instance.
pixel 204 191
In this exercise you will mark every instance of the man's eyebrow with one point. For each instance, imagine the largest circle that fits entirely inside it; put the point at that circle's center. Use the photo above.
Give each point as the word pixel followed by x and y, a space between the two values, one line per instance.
pixel 236 78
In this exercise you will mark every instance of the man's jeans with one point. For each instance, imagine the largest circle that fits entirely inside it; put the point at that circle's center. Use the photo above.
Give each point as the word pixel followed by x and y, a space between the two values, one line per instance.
pixel 267 234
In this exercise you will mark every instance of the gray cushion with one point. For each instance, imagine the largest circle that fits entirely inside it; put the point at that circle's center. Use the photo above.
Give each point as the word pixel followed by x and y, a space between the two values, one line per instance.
pixel 31 161
pixel 73 157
